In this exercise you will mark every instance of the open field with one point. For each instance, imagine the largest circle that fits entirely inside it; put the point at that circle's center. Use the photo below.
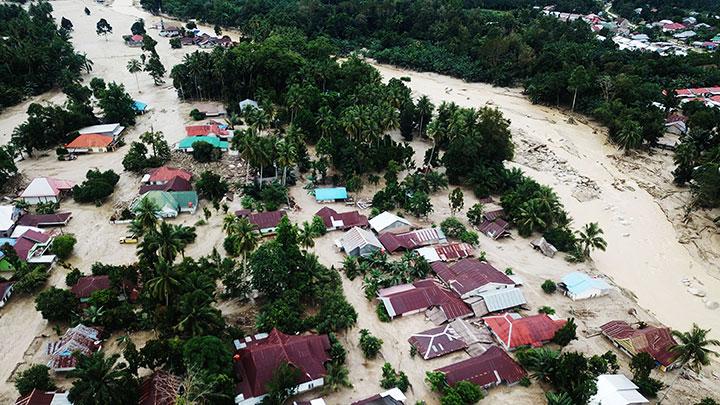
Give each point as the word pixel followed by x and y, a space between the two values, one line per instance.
pixel 630 197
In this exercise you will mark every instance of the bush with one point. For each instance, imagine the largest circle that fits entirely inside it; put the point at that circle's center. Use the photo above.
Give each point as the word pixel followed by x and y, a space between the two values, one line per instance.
pixel 382 314
pixel 204 152
pixel 211 186
pixel 176 44
pixel 62 246
pixel 562 238
pixel 392 379
pixel 525 382
pixel 566 334
pixel 30 279
pixel 318 226
pixel 56 305
pixel 35 377
pixel 546 310
pixel 196 114
pixel 452 227
pixel 549 286
pixel 369 344
pixel 47 208
pixel 354 183
pixel 72 277
pixel 470 237
pixel 98 186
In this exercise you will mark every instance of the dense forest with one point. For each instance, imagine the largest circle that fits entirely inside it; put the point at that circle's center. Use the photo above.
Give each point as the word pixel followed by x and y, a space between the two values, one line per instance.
pixel 37 55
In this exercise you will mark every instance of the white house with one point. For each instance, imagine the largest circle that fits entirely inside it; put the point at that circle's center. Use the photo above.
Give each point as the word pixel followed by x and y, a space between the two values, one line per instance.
pixel 46 189
pixel 113 130
pixel 580 286
pixel 359 242
pixel 616 389
pixel 389 222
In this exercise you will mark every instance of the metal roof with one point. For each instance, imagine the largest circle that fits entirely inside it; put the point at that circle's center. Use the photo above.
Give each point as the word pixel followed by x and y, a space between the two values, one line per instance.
pixel 331 194
pixel 577 283
pixel 357 238
pixel 385 219
pixel 503 298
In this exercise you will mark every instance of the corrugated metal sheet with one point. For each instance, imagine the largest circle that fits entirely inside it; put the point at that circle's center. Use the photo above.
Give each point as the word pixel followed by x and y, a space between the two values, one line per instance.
pixel 490 368
pixel 503 298
pixel 357 238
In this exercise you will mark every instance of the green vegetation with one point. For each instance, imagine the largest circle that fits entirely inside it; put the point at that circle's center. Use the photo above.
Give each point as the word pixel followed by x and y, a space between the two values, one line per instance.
pixel 548 286
pixel 379 272
pixel 641 366
pixel 97 187
pixel 137 158
pixel 62 245
pixel 462 393
pixel 369 344
pixel 566 333
pixel 35 377
pixel 393 379
pixel 211 186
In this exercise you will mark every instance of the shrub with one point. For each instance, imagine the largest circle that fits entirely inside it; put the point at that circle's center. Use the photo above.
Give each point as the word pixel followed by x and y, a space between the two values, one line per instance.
pixel 318 226
pixel 35 377
pixel 382 314
pixel 369 344
pixel 176 44
pixel 566 334
pixel 392 379
pixel 354 183
pixel 56 305
pixel 196 114
pixel 72 277
pixel 470 237
pixel 98 186
pixel 62 246
pixel 509 271
pixel 204 152
pixel 546 310
pixel 474 214
pixel 549 286
pixel 211 186
pixel 525 382
pixel 562 238
pixel 452 227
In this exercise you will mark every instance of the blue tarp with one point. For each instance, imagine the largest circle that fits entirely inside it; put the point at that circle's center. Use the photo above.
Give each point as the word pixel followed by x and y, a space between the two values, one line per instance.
pixel 331 194
pixel 139 106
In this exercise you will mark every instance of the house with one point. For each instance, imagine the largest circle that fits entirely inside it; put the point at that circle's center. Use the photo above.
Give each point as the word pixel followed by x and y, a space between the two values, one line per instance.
pixel 447 252
pixel 46 189
pixel 264 222
pixel 670 27
pixel 6 288
pixel 187 41
pixel 169 203
pixel 502 299
pixel 186 144
pixel 111 130
pixel 655 341
pixel 164 174
pixel 409 299
pixel 468 277
pixel 493 213
pixel 685 35
pixel 342 221
pixel 176 184
pixel 87 285
pixel 21 229
pixel 31 247
pixel 211 109
pixel 45 220
pixel 38 397
pixel 160 388
pixel 91 143
pixel 81 338
pixel 133 41
pixel 139 107
pixel 207 130
pixel 334 194
pixel 359 242
pixel 580 286
pixel 437 342
pixel 389 222
pixel 170 31
pixel 9 216
pixel 258 357
pixel 392 396
pixel 616 389
pixel 492 368
pixel 247 103
pixel 411 240
pixel 513 331
pixel 495 229
pixel 544 247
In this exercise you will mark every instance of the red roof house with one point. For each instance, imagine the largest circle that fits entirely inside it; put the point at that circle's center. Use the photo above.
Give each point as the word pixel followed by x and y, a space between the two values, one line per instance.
pixel 32 244
pixel 81 339
pixel 437 342
pixel 87 285
pixel 469 277
pixel 159 388
pixel 43 220
pixel 411 240
pixel 265 222
pixel 513 331
pixel 489 369
pixel 494 229
pixel 90 143
pixel 37 397
pixel 655 341
pixel 205 130
pixel 341 220
pixel 164 174
pixel 673 27
pixel 408 299
pixel 177 183
pixel 257 359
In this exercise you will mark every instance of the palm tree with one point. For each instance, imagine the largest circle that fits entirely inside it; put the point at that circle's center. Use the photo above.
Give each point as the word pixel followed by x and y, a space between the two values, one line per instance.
pixel 100 381
pixel 424 110
pixel 530 218
pixel 242 233
pixel 197 315
pixel 134 67
pixel 337 376
pixel 145 217
pixel 693 347
pixel 165 281
pixel 306 236
pixel 540 362
pixel 286 156
pixel 630 136
pixel 560 398
pixel 590 238
pixel 169 240
pixel 93 314
pixel 245 143
pixel 326 121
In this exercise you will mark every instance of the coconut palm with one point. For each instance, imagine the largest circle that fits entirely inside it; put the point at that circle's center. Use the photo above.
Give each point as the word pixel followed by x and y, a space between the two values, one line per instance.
pixel 165 282
pixel 692 349
pixel 169 240
pixel 541 362
pixel 326 121
pixel 93 314
pixel 424 111
pixel 286 153
pixel 590 238
pixel 530 218
pixel 337 377
pixel 145 217
pixel 134 67
pixel 306 235
pixel 243 234
pixel 560 398
pixel 100 381
pixel 245 143
pixel 197 315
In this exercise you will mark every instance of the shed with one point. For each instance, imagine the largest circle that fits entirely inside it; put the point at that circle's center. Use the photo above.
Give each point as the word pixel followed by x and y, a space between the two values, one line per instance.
pixel 656 341
pixel 9 216
pixel 499 300
pixel 580 286
pixel 495 229
pixel 389 222
pixel 247 103
pixel 392 396
pixel 333 194
pixel 544 247
pixel 112 130
pixel 359 242
pixel 211 109
pixel 39 397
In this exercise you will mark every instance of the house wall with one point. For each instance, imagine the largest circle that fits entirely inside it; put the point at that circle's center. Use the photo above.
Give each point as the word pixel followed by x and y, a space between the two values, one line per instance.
pixel 396 227
pixel 42 199
pixel 6 297
pixel 367 250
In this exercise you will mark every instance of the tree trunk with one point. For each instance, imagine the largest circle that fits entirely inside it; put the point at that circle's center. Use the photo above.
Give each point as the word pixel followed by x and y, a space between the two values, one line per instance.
pixel 284 175
pixel 247 171
pixel 261 176
pixel 137 82
pixel 572 109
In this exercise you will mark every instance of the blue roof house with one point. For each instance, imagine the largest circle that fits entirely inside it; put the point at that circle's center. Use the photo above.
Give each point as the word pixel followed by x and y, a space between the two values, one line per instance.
pixel 139 107
pixel 580 286
pixel 331 194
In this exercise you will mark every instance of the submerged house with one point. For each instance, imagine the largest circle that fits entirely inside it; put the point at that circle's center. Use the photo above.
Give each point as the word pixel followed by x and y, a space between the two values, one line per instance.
pixel 80 339
pixel 39 397
pixel 186 144
pixel 412 240
pixel 160 388
pixel 91 143
pixel 169 203
pixel 513 331
pixel 495 229
pixel 111 130
pixel 389 222
pixel 492 368
pixel 6 288
pixel 265 222
pixel 437 342
pixel 448 252
pixel 259 356
pixel 359 242
pixel 45 220
pixel 422 295
pixel 392 396
pixel 341 220
pixel 328 195
pixel 580 286
pixel 655 341
pixel 46 189
pixel 616 389
pixel 32 245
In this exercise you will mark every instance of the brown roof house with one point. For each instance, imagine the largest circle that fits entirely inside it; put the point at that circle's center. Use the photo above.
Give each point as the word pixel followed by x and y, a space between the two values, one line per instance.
pixel 394 242
pixel 492 368
pixel 423 295
pixel 87 285
pixel 341 220
pixel 159 388
pixel 265 222
pixel 655 341
pixel 259 356
pixel 38 397
pixel 448 252
pixel 81 338
pixel 437 342
pixel 392 396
